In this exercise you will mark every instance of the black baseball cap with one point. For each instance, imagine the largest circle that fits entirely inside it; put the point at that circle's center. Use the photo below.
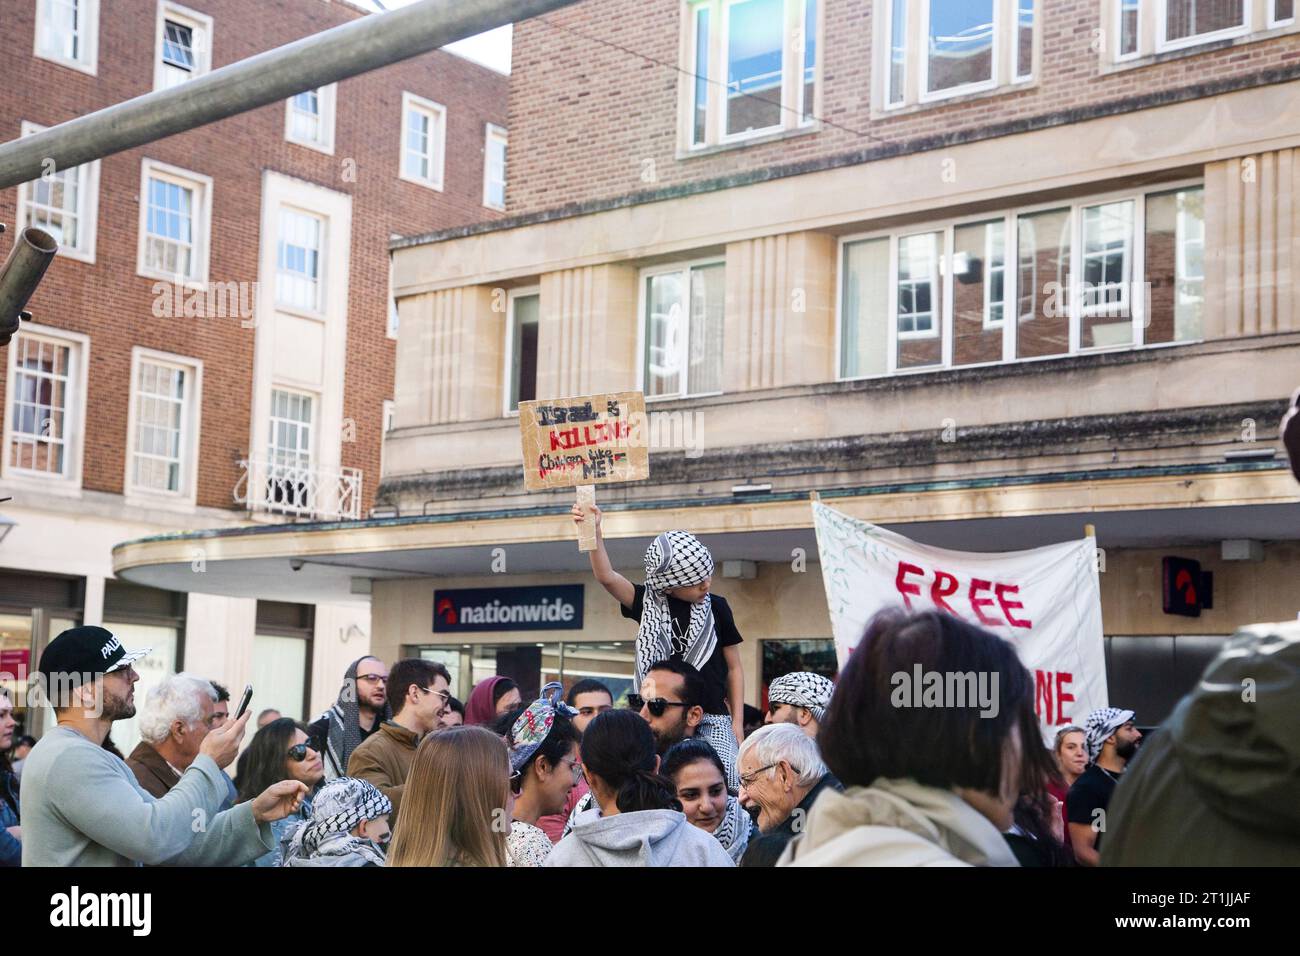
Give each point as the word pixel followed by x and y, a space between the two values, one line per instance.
pixel 87 650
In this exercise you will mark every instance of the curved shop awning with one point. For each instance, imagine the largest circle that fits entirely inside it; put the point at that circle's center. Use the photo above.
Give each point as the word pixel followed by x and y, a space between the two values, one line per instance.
pixel 1140 507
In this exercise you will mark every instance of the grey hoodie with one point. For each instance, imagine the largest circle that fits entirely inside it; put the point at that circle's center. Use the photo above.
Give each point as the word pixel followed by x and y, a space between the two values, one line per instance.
pixel 1219 783
pixel 642 838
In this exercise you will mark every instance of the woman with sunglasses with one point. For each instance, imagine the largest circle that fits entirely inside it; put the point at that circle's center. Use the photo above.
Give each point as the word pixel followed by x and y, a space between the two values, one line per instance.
pixel 637 820
pixel 544 756
pixel 280 751
pixel 458 802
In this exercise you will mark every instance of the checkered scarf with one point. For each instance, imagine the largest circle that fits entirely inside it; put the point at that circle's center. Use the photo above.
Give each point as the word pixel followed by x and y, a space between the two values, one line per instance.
pixel 339 807
pixel 802 689
pixel 1101 723
pixel 676 559
pixel 733 831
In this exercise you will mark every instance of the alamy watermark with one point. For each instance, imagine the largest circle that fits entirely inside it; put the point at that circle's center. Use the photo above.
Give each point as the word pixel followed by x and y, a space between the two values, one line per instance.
pixel 959 689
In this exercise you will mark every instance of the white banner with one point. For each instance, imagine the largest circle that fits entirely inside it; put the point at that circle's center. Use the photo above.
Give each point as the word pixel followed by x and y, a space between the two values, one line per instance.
pixel 1046 602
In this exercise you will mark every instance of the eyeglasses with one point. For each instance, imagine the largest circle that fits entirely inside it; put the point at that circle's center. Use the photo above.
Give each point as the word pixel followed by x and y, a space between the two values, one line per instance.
pixel 575 768
pixel 298 752
pixel 374 678
pixel 747 779
pixel 657 706
pixel 515 775
pixel 445 695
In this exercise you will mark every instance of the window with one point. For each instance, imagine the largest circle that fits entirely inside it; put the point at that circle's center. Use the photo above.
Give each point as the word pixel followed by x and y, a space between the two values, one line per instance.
pixel 67 32
pixel 494 168
pixel 174 215
pixel 1184 22
pixel 65 204
pixel 282 656
pixel 289 456
pixel 298 266
pixel 423 138
pixel 1129 27
pixel 1147 28
pixel 683 310
pixel 184 45
pixel 1281 12
pixel 163 424
pixel 309 118
pixel 751 68
pixel 936 49
pixel 524 309
pixel 1081 280
pixel 45 405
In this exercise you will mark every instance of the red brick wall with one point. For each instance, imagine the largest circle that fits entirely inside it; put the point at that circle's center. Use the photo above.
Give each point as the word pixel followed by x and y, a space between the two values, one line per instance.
pixel 585 115
pixel 111 304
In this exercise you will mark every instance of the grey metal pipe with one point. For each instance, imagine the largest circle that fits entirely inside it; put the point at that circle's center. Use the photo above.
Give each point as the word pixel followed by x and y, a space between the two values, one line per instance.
pixel 366 44
pixel 31 255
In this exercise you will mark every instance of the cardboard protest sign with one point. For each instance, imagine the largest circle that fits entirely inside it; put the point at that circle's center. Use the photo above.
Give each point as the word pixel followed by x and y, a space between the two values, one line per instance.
pixel 594 439
pixel 1046 602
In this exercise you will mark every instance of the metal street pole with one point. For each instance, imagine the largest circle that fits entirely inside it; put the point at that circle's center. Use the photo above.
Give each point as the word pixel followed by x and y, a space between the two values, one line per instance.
pixel 366 44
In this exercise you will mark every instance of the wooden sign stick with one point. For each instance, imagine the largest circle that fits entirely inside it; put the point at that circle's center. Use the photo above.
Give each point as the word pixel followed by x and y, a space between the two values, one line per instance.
pixel 587 530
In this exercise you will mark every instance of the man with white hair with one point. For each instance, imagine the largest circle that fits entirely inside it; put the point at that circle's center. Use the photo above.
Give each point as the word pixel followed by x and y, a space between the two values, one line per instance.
pixel 801 699
pixel 176 716
pixel 781 776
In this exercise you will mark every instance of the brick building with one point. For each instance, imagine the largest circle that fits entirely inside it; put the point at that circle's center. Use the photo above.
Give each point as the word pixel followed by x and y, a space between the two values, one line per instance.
pixel 981 271
pixel 215 342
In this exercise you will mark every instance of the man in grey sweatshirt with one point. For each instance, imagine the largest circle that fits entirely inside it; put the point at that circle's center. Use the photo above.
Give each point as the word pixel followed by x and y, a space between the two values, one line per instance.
pixel 82 806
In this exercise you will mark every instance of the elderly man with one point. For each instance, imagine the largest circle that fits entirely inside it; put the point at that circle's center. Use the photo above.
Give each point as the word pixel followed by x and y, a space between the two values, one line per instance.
pixel 801 699
pixel 176 716
pixel 781 776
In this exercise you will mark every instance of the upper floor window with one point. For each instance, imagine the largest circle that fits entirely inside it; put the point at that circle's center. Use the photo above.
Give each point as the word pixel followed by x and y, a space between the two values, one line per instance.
pixel 1115 272
pixel 1145 28
pixel 752 68
pixel 309 118
pixel 684 310
pixel 494 168
pixel 163 424
pixel 45 405
pixel 424 125
pixel 298 265
pixel 936 49
pixel 67 32
pixel 175 212
pixel 184 45
pixel 523 313
pixel 64 203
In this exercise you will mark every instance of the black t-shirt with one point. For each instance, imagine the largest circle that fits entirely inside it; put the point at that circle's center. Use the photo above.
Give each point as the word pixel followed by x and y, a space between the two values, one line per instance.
pixel 1092 791
pixel 714 670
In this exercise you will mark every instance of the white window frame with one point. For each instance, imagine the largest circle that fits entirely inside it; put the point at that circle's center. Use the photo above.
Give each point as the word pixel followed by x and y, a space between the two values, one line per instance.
pixel 200 25
pixel 202 186
pixel 69 483
pixel 190 424
pixel 643 325
pixel 319 310
pixel 937 285
pixel 327 101
pixel 793 118
pixel 499 134
pixel 1011 281
pixel 88 62
pixel 437 161
pixel 87 205
pixel 989 323
pixel 1117 20
pixel 1271 16
pixel 1130 255
pixel 313 427
pixel 1164 45
pixel 508 369
pixel 1005 73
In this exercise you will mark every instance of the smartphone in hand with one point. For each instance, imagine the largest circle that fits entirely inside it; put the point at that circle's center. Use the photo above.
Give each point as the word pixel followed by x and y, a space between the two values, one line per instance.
pixel 243 703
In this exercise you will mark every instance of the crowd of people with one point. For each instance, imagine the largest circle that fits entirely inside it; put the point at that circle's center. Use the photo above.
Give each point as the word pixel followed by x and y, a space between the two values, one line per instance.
pixel 399 773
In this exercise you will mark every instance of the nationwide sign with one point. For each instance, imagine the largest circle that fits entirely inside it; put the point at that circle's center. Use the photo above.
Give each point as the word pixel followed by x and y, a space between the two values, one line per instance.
pixel 546 608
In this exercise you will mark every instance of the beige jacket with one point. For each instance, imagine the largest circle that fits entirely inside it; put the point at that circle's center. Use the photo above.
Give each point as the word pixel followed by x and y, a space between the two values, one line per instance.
pixel 897 823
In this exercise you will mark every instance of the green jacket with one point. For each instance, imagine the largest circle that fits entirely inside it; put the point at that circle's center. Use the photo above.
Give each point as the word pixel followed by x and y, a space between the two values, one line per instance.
pixel 1217 785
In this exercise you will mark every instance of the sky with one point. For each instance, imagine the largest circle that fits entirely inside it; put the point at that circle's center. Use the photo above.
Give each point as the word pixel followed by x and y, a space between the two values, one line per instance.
pixel 491 49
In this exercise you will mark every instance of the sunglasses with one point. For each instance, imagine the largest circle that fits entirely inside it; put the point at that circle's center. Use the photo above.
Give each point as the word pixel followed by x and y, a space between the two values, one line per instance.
pixel 298 752
pixel 657 707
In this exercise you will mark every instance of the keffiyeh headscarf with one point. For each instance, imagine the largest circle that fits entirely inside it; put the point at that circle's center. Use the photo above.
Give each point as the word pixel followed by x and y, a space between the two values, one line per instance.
pixel 1101 723
pixel 533 726
pixel 344 735
pixel 733 831
pixel 337 810
pixel 676 559
pixel 802 689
